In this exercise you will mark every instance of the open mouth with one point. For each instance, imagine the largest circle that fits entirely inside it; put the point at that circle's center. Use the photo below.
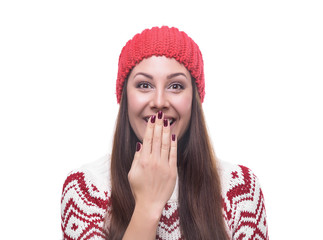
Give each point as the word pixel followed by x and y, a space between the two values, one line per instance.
pixel 171 120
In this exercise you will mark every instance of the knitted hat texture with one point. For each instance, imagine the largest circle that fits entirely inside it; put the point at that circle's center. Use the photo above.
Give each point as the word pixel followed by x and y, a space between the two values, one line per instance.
pixel 163 41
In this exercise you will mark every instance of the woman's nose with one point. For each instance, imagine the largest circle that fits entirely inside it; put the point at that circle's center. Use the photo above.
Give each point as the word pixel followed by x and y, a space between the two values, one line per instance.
pixel 160 100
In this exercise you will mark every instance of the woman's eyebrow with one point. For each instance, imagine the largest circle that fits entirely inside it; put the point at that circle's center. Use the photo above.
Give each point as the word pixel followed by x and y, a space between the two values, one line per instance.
pixel 144 74
pixel 170 76
pixel 175 75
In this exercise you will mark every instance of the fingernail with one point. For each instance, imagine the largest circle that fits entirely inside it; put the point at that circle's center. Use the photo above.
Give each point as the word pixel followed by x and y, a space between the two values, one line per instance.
pixel 173 137
pixel 165 122
pixel 153 119
pixel 160 115
pixel 138 146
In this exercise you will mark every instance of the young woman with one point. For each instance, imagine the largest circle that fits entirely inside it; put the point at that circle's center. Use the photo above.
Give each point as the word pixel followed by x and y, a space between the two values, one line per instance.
pixel 162 180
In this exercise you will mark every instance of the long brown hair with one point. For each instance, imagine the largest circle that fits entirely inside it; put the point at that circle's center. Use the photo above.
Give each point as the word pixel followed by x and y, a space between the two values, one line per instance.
pixel 200 200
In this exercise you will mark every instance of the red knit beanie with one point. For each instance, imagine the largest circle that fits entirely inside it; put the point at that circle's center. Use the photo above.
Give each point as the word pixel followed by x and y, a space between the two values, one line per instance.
pixel 164 41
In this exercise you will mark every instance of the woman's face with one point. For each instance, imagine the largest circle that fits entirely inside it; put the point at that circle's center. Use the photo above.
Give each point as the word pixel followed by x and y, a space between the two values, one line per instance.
pixel 159 84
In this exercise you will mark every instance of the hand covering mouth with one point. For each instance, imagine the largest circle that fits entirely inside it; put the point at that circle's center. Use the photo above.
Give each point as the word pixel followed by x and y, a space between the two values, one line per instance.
pixel 170 119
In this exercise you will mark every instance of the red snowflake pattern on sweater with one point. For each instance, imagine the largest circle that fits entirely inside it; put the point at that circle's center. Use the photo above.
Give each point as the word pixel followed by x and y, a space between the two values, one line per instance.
pixel 86 200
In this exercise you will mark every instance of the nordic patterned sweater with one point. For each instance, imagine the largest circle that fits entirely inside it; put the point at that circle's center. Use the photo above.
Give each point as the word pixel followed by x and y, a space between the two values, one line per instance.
pixel 86 199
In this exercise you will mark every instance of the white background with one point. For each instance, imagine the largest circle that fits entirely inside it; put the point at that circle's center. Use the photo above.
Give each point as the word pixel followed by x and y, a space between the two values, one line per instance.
pixel 264 74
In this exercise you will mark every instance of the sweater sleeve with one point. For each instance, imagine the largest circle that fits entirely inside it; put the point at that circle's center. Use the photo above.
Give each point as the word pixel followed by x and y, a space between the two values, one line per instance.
pixel 83 208
pixel 245 207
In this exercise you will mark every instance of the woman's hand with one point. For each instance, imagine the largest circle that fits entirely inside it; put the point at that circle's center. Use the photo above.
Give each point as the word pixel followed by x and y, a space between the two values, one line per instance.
pixel 153 173
pixel 152 178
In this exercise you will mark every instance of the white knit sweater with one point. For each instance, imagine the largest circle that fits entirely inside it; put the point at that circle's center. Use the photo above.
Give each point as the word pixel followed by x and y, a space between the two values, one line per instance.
pixel 86 199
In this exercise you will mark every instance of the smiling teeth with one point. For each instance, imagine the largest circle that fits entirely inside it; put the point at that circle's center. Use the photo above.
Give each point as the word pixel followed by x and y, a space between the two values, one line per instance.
pixel 171 121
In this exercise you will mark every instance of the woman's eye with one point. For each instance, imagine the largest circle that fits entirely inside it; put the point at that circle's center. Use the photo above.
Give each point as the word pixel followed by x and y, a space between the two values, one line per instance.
pixel 176 86
pixel 143 85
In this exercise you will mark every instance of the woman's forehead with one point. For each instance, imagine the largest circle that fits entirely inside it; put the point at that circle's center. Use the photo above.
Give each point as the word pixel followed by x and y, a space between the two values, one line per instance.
pixel 160 65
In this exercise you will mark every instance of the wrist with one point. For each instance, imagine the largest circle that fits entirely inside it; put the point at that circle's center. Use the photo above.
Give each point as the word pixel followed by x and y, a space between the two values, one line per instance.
pixel 143 223
pixel 148 212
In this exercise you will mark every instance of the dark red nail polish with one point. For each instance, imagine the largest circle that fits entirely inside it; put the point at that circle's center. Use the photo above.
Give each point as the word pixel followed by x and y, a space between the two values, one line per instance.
pixel 160 115
pixel 138 146
pixel 165 122
pixel 153 119
pixel 173 137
